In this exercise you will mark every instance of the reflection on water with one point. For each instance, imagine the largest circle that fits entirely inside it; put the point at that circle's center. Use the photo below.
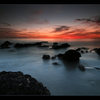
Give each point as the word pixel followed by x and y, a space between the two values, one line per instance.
pixel 71 65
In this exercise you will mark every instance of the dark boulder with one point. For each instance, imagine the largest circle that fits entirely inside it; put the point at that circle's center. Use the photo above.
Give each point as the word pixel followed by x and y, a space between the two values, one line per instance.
pixel 82 50
pixel 97 68
pixel 43 46
pixel 55 63
pixel 97 50
pixel 46 57
pixel 16 83
pixel 60 56
pixel 78 49
pixel 55 44
pixel 54 57
pixel 6 44
pixel 71 55
pixel 81 67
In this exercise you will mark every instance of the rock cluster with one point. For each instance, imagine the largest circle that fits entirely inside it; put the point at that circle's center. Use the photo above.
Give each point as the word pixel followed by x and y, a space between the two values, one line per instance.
pixel 16 83
pixel 60 46
pixel 82 50
pixel 5 45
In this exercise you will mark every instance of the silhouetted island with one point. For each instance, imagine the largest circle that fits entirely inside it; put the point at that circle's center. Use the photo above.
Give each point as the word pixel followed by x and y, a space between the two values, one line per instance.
pixel 5 45
pixel 60 46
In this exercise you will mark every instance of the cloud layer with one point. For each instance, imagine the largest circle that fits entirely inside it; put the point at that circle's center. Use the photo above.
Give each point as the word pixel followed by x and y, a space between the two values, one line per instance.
pixel 61 28
pixel 93 20
pixel 59 32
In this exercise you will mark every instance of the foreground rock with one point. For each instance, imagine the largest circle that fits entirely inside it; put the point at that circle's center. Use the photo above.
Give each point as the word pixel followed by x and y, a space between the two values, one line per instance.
pixel 6 44
pixel 61 46
pixel 70 56
pixel 15 83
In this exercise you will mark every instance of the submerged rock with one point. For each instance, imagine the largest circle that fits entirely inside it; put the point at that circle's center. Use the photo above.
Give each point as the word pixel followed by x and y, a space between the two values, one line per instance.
pixel 6 44
pixel 97 68
pixel 81 67
pixel 54 57
pixel 44 46
pixel 16 83
pixel 46 57
pixel 55 63
pixel 60 56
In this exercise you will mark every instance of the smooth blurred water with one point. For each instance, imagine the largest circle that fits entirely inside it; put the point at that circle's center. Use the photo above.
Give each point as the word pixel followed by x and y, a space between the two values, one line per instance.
pixel 60 80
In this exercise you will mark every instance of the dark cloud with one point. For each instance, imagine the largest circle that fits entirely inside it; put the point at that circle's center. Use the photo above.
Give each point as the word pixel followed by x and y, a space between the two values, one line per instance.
pixel 93 20
pixel 8 33
pixel 38 21
pixel 5 24
pixel 75 31
pixel 82 34
pixel 61 28
pixel 13 33
pixel 35 18
pixel 95 32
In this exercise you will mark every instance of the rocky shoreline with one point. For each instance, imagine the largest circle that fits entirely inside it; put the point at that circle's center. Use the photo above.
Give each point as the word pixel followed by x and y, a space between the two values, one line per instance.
pixel 16 83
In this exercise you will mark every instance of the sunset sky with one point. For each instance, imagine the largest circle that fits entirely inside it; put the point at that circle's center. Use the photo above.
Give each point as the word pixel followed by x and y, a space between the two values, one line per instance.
pixel 50 21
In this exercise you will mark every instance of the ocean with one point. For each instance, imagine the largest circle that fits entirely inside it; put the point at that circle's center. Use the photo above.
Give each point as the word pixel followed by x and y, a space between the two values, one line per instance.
pixel 59 79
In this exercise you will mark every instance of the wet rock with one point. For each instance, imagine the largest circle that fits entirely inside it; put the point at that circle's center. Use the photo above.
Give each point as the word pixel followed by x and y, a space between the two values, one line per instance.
pixel 54 57
pixel 97 50
pixel 60 56
pixel 87 51
pixel 71 55
pixel 20 45
pixel 82 50
pixel 46 57
pixel 6 44
pixel 78 49
pixel 61 46
pixel 16 83
pixel 44 41
pixel 55 63
pixel 81 67
pixel 97 68
pixel 44 46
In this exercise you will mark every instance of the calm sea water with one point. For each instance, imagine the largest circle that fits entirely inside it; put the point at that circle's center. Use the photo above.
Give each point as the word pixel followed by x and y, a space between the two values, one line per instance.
pixel 60 80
